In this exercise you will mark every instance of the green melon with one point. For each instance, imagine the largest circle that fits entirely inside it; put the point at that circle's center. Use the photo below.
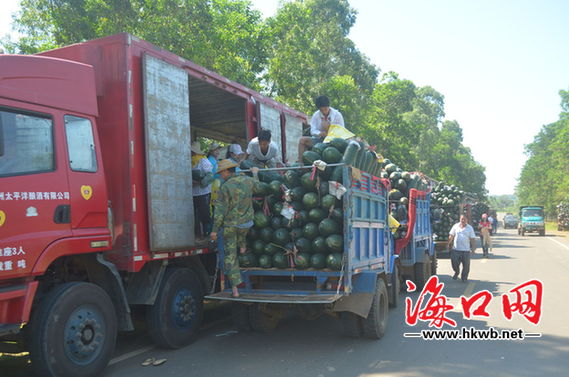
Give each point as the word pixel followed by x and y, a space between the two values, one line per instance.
pixel 309 157
pixel 324 188
pixel 404 201
pixel 319 148
pixel 277 208
pixel 297 206
pixel 337 174
pixel 318 260
pixel 384 174
pixel 275 188
pixel 303 245
pixel 401 185
pixel 328 201
pixel 266 234
pixel 310 200
pixel 253 233
pixel 265 261
pixel 390 168
pixel 261 188
pixel 271 249
pixel 268 176
pixel 328 227
pixel 280 260
pixel 395 176
pixel 296 233
pixel 340 144
pixel 319 244
pixel 258 247
pixel 331 155
pixel 316 215
pixel 261 220
pixel 297 193
pixel 247 260
pixel 276 222
pixel 338 215
pixel 395 195
pixel 302 260
pixel 281 236
pixel 334 261
pixel 310 231
pixel 406 176
pixel 335 243
pixel 303 216
pixel 308 183
pixel 292 178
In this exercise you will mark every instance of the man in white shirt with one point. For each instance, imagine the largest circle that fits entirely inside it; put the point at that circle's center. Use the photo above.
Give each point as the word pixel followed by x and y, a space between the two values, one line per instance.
pixel 319 124
pixel 263 152
pixel 463 241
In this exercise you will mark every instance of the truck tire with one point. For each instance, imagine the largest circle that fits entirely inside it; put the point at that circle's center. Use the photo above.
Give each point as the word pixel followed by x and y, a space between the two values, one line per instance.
pixel 395 287
pixel 376 322
pixel 422 272
pixel 523 232
pixel 351 324
pixel 262 321
pixel 177 313
pixel 241 317
pixel 434 264
pixel 542 232
pixel 73 331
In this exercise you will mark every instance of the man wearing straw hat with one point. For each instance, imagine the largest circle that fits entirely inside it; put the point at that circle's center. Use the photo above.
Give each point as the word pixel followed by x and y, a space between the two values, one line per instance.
pixel 234 214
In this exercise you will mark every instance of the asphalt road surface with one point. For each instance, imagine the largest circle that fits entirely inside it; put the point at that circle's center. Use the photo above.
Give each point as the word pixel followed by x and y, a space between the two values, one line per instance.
pixel 316 348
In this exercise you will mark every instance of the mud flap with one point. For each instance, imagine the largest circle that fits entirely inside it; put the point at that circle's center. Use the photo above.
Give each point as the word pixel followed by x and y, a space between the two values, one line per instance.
pixel 357 303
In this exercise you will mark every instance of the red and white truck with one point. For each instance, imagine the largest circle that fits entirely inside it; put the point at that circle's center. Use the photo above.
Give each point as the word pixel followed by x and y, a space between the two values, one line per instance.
pixel 96 209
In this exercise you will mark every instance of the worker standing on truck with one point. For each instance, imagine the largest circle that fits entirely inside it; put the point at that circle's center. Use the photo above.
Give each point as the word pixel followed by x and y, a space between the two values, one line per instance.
pixel 234 216
pixel 201 193
pixel 263 152
pixel 321 121
pixel 463 242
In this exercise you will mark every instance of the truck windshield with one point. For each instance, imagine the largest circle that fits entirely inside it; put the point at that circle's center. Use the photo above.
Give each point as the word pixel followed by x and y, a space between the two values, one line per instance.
pixel 26 143
pixel 532 212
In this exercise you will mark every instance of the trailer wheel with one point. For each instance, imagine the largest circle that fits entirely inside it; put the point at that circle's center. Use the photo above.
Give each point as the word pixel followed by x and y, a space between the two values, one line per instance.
pixel 73 331
pixel 395 287
pixel 376 322
pixel 241 317
pixel 422 272
pixel 351 324
pixel 262 320
pixel 176 315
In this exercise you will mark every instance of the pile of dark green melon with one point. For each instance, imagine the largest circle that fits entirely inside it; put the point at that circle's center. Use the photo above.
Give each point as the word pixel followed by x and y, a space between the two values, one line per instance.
pixel 313 237
pixel 445 211
pixel 477 211
pixel 563 214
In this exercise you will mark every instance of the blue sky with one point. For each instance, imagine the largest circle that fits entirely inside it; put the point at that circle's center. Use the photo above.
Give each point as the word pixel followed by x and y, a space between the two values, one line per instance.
pixel 499 64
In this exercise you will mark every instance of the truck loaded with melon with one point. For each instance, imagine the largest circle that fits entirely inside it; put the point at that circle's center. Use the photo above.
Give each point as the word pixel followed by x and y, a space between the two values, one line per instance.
pixel 322 241
pixel 96 212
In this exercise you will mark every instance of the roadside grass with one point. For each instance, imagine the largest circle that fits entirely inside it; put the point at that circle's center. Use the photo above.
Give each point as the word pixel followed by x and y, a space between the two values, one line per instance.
pixel 550 225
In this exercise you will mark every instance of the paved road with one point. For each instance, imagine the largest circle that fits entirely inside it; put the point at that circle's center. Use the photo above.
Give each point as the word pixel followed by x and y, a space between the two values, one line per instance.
pixel 316 348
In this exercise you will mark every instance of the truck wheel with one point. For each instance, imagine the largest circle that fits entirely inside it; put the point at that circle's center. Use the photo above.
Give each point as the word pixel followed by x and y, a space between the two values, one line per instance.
pixel 262 321
pixel 241 317
pixel 542 232
pixel 376 322
pixel 523 232
pixel 422 272
pixel 176 315
pixel 351 324
pixel 73 331
pixel 434 265
pixel 395 287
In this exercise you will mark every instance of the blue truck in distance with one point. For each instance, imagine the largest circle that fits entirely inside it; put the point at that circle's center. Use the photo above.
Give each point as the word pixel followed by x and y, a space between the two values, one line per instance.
pixel 532 220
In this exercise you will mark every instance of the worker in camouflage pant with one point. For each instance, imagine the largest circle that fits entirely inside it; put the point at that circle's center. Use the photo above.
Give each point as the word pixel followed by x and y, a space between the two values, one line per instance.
pixel 233 212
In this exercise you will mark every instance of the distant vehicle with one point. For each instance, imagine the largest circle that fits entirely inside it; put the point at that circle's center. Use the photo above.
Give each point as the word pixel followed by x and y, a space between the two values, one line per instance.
pixel 510 221
pixel 532 219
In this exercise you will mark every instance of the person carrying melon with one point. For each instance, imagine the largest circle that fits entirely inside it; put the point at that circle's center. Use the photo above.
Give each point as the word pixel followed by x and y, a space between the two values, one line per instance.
pixel 320 123
pixel 485 228
pixel 233 216
pixel 263 152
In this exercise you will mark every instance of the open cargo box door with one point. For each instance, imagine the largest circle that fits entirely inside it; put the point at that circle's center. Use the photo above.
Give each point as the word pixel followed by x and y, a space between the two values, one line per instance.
pixel 168 157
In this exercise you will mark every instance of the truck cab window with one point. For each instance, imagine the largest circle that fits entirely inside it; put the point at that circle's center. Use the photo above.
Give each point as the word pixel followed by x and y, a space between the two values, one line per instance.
pixel 26 144
pixel 80 144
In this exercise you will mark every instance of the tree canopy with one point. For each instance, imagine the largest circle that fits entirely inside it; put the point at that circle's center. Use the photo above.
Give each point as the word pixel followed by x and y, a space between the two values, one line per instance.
pixel 301 52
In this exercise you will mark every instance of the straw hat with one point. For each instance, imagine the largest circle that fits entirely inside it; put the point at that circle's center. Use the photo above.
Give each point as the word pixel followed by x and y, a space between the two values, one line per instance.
pixel 226 164
pixel 196 147
pixel 213 146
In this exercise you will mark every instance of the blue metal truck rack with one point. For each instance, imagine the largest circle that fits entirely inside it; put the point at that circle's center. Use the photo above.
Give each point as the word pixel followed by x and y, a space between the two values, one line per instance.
pixel 358 293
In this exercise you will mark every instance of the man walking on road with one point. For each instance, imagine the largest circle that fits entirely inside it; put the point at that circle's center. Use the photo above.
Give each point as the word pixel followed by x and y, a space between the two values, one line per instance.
pixel 463 241
pixel 234 215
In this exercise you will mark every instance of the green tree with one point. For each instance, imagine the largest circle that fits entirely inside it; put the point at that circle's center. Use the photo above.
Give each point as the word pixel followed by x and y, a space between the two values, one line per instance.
pixel 310 53
pixel 226 36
